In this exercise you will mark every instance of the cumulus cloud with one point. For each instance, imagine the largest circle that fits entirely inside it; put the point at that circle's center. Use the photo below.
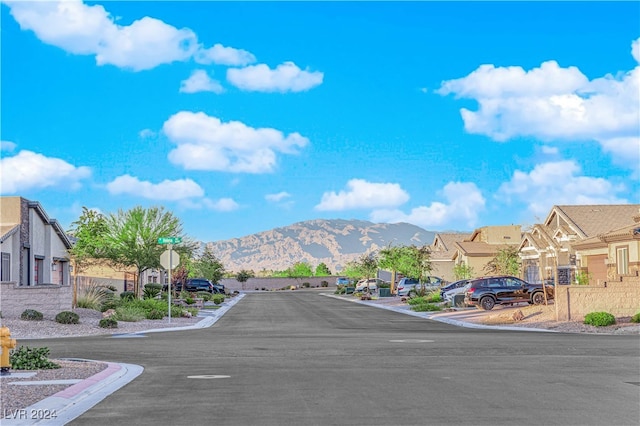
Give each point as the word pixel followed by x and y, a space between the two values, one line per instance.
pixel 222 205
pixel 463 203
pixel 167 190
pixel 147 134
pixel 554 103
pixel 199 81
pixel 549 150
pixel 29 170
pixel 90 30
pixel 287 77
pixel 206 143
pixel 361 194
pixel 558 182
pixel 222 55
pixel 276 198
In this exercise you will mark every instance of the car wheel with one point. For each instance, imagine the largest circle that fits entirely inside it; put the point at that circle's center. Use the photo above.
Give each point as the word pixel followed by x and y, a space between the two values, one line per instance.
pixel 487 303
pixel 537 298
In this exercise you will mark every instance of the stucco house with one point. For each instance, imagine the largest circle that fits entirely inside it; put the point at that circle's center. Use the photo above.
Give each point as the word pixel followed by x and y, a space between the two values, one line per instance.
pixel 483 245
pixel 443 251
pixel 569 238
pixel 35 269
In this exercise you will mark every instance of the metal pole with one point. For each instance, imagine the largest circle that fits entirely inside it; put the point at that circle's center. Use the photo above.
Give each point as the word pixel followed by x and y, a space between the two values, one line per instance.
pixel 170 274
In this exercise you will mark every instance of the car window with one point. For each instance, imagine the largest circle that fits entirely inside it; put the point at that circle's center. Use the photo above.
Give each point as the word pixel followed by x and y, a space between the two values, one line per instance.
pixel 495 282
pixel 512 282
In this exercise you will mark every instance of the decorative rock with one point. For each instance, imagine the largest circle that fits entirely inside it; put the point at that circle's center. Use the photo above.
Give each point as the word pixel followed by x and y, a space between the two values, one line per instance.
pixel 108 313
pixel 518 315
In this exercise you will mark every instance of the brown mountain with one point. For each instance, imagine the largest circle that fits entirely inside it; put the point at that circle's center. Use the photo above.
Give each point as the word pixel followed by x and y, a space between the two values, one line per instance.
pixel 334 242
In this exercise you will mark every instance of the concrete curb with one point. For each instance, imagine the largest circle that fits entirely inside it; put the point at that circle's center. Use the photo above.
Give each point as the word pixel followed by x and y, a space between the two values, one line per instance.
pixel 440 317
pixel 75 400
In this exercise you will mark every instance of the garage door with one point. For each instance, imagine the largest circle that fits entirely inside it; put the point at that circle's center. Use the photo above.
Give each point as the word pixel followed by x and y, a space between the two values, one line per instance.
pixel 597 268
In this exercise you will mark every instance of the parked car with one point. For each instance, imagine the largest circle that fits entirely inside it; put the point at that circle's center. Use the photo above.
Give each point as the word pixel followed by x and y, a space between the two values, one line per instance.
pixel 342 281
pixel 406 285
pixel 219 288
pixel 371 284
pixel 457 287
pixel 487 292
pixel 198 284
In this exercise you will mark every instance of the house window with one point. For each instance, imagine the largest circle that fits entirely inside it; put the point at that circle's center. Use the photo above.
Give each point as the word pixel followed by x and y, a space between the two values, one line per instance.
pixel 38 270
pixel 622 260
pixel 5 269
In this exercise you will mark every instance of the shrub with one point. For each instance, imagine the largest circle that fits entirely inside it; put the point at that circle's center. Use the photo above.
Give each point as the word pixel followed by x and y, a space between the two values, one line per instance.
pixel 306 285
pixel 26 358
pixel 31 315
pixel 108 323
pixel 192 311
pixel 324 283
pixel 426 307
pixel 204 295
pixel 67 317
pixel 127 295
pixel 636 318
pixel 151 291
pixel 93 294
pixel 129 313
pixel 417 301
pixel 109 303
pixel 189 301
pixel 218 298
pixel 340 289
pixel 155 314
pixel 599 319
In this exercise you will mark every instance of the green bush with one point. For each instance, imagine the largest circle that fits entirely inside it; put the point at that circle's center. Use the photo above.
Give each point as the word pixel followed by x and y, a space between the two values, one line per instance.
pixel 305 285
pixel 599 319
pixel 151 291
pixel 129 313
pixel 218 298
pixel 109 303
pixel 92 295
pixel 26 358
pixel 425 307
pixel 417 301
pixel 340 289
pixel 67 317
pixel 31 315
pixel 324 283
pixel 127 295
pixel 204 295
pixel 155 314
pixel 636 318
pixel 189 300
pixel 108 323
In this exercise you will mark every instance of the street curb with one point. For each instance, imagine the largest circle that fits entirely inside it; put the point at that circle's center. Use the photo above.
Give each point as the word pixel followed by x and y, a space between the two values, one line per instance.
pixel 435 317
pixel 75 400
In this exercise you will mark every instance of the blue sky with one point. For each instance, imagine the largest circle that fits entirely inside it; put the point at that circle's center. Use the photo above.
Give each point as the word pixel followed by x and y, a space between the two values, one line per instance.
pixel 241 117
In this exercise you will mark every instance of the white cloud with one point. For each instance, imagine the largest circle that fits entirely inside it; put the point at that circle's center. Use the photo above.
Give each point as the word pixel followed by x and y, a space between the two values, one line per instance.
pixel 147 134
pixel 90 30
pixel 7 146
pixel 635 49
pixel 275 198
pixel 464 202
pixel 554 103
pixel 361 194
pixel 287 77
pixel 222 55
pixel 222 205
pixel 549 150
pixel 199 81
pixel 555 183
pixel 206 143
pixel 167 190
pixel 29 170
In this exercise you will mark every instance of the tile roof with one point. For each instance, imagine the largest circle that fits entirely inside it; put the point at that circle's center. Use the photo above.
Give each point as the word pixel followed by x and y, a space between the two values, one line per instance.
pixel 597 219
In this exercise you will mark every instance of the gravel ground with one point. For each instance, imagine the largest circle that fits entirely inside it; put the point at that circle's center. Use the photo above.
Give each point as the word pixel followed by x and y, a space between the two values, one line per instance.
pixel 14 397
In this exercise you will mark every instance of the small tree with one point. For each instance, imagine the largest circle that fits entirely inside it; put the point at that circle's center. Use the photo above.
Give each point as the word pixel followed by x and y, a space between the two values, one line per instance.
pixel 244 275
pixel 322 270
pixel 208 266
pixel 462 271
pixel 506 262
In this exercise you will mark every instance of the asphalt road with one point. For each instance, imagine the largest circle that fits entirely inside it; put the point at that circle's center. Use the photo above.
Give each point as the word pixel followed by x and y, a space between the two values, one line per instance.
pixel 299 358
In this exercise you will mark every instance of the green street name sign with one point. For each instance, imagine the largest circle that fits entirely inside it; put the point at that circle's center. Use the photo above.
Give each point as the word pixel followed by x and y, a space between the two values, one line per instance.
pixel 169 240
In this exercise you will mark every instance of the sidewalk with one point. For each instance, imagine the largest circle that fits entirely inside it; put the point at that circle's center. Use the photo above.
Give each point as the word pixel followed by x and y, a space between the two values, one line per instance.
pixel 72 402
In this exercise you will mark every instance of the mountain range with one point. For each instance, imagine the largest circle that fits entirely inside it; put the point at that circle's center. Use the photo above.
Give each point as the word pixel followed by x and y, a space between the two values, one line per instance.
pixel 332 242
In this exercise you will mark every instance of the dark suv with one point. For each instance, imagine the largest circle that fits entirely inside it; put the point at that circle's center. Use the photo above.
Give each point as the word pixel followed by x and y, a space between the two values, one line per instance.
pixel 486 292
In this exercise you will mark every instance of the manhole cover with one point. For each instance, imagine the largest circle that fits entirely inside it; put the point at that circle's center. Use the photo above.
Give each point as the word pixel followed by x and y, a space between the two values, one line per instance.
pixel 208 376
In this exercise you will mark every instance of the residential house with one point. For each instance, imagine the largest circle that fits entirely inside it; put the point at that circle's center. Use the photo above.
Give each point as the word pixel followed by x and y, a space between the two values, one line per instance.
pixel 552 245
pixel 35 269
pixel 484 244
pixel 613 255
pixel 443 250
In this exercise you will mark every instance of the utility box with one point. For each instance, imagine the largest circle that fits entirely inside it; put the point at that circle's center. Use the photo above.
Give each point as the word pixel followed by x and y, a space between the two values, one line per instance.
pixel 385 292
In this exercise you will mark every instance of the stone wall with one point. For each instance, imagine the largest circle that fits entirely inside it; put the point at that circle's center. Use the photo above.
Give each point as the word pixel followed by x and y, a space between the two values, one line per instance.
pixel 50 299
pixel 231 284
pixel 621 299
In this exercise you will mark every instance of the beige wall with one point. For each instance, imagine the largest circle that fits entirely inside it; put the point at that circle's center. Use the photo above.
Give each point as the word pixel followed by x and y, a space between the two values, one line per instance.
pixel 508 234
pixel 48 299
pixel 621 299
pixel 443 269
pixel 10 210
pixel 231 284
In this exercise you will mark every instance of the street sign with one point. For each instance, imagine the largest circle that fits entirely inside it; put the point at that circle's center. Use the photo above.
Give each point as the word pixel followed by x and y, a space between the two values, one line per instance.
pixel 169 264
pixel 169 240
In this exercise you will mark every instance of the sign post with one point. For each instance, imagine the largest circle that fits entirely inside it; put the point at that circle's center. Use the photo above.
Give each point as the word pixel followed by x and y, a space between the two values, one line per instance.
pixel 167 261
